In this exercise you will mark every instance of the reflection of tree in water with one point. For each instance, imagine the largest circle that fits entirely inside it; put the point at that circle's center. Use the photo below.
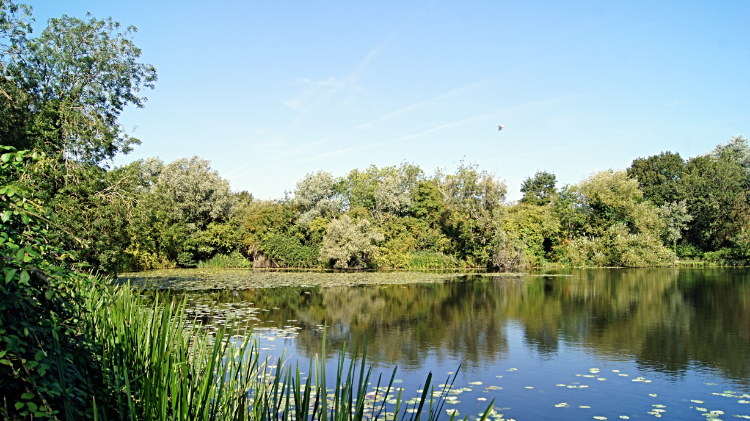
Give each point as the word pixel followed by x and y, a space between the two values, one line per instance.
pixel 666 319
pixel 404 324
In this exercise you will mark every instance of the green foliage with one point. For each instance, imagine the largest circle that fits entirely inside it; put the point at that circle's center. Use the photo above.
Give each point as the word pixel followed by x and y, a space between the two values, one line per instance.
pixel 537 227
pixel 349 244
pixel 46 362
pixel 676 219
pixel 68 87
pixel 232 260
pixel 508 251
pixel 94 208
pixel 192 192
pixel 620 229
pixel 659 177
pixel 736 149
pixel 316 197
pixel 383 191
pixel 539 190
pixel 473 199
pixel 618 247
pixel 284 251
pixel 431 260
pixel 688 251
pixel 715 192
pixel 611 197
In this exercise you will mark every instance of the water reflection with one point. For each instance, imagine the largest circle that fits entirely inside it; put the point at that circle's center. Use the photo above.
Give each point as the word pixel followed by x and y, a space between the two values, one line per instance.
pixel 666 320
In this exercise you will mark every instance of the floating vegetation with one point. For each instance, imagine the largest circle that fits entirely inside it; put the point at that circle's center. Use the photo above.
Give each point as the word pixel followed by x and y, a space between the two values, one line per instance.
pixel 562 405
pixel 241 279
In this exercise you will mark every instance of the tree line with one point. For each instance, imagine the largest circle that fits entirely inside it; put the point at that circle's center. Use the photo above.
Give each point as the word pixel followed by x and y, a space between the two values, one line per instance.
pixel 62 93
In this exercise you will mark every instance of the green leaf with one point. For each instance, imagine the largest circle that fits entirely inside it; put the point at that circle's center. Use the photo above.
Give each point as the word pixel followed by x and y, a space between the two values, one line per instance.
pixel 19 405
pixel 27 396
pixel 24 278
pixel 48 295
pixel 6 362
pixel 5 216
pixel 39 356
pixel 10 274
pixel 32 406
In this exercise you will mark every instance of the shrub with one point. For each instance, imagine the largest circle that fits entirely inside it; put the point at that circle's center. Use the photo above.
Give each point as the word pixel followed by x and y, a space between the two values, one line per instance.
pixel 232 260
pixel 349 245
pixel 289 251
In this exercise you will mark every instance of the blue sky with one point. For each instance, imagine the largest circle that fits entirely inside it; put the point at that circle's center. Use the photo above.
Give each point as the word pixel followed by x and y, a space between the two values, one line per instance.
pixel 272 90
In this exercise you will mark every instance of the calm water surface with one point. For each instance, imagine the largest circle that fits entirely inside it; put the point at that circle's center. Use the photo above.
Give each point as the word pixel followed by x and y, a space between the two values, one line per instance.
pixel 568 345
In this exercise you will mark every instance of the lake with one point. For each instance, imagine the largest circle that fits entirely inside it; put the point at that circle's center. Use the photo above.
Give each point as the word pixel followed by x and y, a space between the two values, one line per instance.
pixel 557 345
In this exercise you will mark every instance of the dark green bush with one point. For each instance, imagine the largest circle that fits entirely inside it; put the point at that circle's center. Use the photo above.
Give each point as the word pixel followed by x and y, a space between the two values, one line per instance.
pixel 289 251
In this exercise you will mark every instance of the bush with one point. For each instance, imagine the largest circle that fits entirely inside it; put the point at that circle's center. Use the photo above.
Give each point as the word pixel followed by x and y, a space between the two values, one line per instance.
pixel 232 260
pixel 718 256
pixel 688 251
pixel 46 356
pixel 618 248
pixel 288 251
pixel 349 245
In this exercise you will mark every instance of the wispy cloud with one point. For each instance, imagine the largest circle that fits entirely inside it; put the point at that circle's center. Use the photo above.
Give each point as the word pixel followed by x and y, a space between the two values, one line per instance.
pixel 320 92
pixel 422 104
pixel 489 114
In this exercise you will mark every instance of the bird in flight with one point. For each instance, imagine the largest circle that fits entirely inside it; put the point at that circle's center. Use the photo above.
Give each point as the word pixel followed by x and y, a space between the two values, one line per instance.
pixel 500 127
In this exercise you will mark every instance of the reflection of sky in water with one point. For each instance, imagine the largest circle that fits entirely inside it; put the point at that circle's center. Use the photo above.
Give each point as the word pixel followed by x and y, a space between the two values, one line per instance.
pixel 648 335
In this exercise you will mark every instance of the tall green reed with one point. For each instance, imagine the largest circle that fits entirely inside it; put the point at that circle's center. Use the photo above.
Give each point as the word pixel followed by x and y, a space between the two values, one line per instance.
pixel 153 368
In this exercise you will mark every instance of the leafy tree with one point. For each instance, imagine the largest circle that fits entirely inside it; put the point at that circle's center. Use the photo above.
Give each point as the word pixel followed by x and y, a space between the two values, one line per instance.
pixel 382 191
pixel 737 149
pixel 348 244
pixel 536 227
pixel 659 177
pixel 392 195
pixel 715 190
pixel 316 196
pixel 620 229
pixel 611 197
pixel 676 218
pixel 193 192
pixel 568 208
pixel 539 190
pixel 473 199
pixel 73 81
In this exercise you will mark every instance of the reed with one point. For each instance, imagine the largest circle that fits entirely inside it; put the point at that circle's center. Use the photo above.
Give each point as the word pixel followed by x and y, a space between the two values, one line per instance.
pixel 154 368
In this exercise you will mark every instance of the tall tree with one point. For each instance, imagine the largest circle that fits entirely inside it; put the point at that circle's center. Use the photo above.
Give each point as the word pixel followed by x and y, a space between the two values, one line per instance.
pixel 715 191
pixel 67 88
pixel 540 189
pixel 659 177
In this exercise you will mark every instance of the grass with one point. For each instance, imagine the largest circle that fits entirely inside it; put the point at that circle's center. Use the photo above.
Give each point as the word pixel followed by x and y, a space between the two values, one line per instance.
pixel 155 369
